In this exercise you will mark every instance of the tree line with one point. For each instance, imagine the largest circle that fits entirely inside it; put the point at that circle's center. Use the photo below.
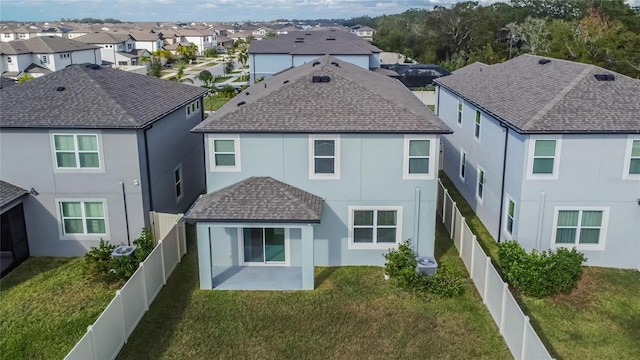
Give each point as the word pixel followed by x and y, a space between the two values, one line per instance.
pixel 600 32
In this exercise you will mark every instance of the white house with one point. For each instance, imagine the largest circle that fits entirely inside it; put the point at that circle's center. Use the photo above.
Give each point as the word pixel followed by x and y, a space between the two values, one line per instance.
pixel 116 49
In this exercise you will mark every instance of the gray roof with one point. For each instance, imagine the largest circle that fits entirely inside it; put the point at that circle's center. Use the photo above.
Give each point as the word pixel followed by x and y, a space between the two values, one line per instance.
pixel 9 193
pixel 321 42
pixel 88 96
pixel 103 38
pixel 43 45
pixel 258 199
pixel 557 97
pixel 355 100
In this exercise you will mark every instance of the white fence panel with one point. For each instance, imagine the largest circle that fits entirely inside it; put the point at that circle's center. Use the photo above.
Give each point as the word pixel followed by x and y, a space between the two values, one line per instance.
pixel 493 300
pixel 182 233
pixel 534 348
pixel 134 301
pixel 83 349
pixel 162 223
pixel 479 268
pixel 170 251
pixel 108 331
pixel 153 273
pixel 467 248
pixel 513 321
pixel 457 225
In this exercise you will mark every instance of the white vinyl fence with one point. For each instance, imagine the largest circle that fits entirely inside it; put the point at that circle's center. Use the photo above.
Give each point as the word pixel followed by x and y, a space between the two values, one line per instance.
pixel 105 338
pixel 513 324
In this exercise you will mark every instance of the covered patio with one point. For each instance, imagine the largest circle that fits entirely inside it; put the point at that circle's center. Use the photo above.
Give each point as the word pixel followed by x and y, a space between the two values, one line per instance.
pixel 256 234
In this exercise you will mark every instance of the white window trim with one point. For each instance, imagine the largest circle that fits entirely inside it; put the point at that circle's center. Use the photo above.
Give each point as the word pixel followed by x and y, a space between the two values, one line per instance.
pixel 44 59
pixel 375 246
pixel 484 186
pixel 603 228
pixel 336 165
pixel 287 247
pixel 505 216
pixel 236 146
pixel 405 159
pixel 477 125
pixel 192 108
pixel 556 158
pixel 180 183
pixel 463 156
pixel 460 111
pixel 77 169
pixel 61 232
pixel 627 159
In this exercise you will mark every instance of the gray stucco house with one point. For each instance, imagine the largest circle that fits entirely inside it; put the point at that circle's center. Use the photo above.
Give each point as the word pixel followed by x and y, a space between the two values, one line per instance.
pixel 325 164
pixel 99 148
pixel 547 152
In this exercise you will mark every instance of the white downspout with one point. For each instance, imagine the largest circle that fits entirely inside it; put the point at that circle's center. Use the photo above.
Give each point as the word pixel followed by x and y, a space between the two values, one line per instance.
pixel 540 221
pixel 416 220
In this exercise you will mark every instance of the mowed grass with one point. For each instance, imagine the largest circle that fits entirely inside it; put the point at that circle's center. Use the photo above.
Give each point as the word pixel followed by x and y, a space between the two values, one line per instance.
pixel 353 314
pixel 598 320
pixel 213 103
pixel 46 305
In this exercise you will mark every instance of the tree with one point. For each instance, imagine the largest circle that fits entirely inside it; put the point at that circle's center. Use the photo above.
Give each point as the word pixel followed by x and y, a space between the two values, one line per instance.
pixel 207 78
pixel 228 66
pixel 162 53
pixel 145 59
pixel 533 33
pixel 271 33
pixel 156 67
pixel 211 52
pixel 180 75
pixel 25 78
pixel 243 57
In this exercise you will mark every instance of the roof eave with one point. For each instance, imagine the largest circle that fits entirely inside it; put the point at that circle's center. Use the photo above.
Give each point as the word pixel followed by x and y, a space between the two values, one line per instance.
pixel 232 131
pixel 253 221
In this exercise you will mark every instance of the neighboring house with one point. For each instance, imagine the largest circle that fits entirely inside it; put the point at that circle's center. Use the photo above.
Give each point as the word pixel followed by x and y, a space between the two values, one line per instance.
pixel 100 148
pixel 204 39
pixel 147 40
pixel 364 32
pixel 547 152
pixel 271 55
pixel 44 54
pixel 14 247
pixel 326 164
pixel 115 49
pixel 225 42
pixel 20 33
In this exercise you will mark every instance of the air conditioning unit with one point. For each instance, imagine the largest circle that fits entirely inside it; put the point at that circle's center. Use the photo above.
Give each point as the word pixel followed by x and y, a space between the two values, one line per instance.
pixel 123 250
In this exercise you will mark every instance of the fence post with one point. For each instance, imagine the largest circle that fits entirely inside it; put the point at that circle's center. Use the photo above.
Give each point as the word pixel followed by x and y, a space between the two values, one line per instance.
pixel 178 241
pixel 486 280
pixel 93 342
pixel 122 319
pixel 461 242
pixel 144 288
pixel 164 273
pixel 503 311
pixel 444 203
pixel 453 217
pixel 473 254
pixel 525 337
pixel 152 223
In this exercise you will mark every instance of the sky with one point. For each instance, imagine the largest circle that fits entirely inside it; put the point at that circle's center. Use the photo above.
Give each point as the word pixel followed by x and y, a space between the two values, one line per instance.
pixel 205 10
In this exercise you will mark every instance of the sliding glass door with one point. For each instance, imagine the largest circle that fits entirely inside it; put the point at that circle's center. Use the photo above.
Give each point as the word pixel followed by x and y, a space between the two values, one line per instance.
pixel 264 245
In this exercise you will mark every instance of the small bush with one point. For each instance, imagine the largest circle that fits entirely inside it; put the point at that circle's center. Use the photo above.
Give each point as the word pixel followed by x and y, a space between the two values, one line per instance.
pixel 401 264
pixel 100 265
pixel 540 274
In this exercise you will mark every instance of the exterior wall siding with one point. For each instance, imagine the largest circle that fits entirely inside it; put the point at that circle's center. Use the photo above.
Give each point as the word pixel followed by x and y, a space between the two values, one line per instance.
pixel 27 161
pixel 371 168
pixel 268 64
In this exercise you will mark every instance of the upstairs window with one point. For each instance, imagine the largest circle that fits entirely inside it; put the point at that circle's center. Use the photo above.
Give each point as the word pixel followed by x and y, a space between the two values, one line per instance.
pixel 480 187
pixel 324 159
pixel 418 152
pixel 177 180
pixel 76 151
pixel 544 158
pixel 9 59
pixel 476 131
pixel 632 165
pixel 510 215
pixel 225 153
pixel 193 108
pixel 45 59
pixel 463 164
pixel 459 111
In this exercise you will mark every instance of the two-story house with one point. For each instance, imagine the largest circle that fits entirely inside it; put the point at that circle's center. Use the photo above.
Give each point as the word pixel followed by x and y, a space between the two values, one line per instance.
pixel 547 152
pixel 99 148
pixel 204 39
pixel 325 164
pixel 271 55
pixel 115 49
pixel 44 54
pixel 363 31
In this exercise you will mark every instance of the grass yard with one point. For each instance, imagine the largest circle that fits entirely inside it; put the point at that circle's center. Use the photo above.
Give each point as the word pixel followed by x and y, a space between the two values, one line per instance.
pixel 45 307
pixel 213 103
pixel 353 314
pixel 598 320
pixel 221 79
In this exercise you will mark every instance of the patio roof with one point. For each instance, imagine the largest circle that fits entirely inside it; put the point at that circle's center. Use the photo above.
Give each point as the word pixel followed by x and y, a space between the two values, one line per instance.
pixel 258 199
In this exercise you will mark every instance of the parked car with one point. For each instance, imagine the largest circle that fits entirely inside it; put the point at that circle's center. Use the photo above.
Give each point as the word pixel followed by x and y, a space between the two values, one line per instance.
pixel 415 76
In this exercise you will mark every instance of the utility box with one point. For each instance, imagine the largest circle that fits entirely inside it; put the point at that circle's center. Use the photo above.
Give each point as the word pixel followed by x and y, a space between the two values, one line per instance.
pixel 426 265
pixel 123 250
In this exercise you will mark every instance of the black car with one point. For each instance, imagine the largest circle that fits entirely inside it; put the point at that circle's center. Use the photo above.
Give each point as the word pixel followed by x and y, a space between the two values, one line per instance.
pixel 415 76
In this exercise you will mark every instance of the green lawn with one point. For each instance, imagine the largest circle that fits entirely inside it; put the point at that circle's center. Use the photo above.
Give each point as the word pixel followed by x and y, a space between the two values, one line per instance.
pixel 222 79
pixel 598 320
pixel 353 314
pixel 213 103
pixel 45 307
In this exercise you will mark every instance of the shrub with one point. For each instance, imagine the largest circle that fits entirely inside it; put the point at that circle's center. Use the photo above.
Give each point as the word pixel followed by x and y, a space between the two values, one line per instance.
pixel 101 265
pixel 540 274
pixel 401 264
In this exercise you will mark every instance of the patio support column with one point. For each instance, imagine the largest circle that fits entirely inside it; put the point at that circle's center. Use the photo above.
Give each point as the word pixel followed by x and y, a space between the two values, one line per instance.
pixel 308 271
pixel 204 256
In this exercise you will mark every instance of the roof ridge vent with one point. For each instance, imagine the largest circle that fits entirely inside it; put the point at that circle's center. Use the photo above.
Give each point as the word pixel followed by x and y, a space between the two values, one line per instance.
pixel 285 82
pixel 331 38
pixel 60 88
pixel 299 41
pixel 241 103
pixel 543 61
pixel 604 77
pixel 316 63
pixel 335 64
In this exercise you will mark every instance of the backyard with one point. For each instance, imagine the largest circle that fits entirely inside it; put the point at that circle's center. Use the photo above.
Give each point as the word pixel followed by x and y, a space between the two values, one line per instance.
pixel 353 313
pixel 598 320
pixel 46 305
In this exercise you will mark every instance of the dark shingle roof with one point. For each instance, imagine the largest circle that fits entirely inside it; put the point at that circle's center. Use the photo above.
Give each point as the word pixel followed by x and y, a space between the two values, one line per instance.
pixel 43 45
pixel 258 199
pixel 9 193
pixel 103 38
pixel 6 82
pixel 323 42
pixel 559 96
pixel 92 98
pixel 355 100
